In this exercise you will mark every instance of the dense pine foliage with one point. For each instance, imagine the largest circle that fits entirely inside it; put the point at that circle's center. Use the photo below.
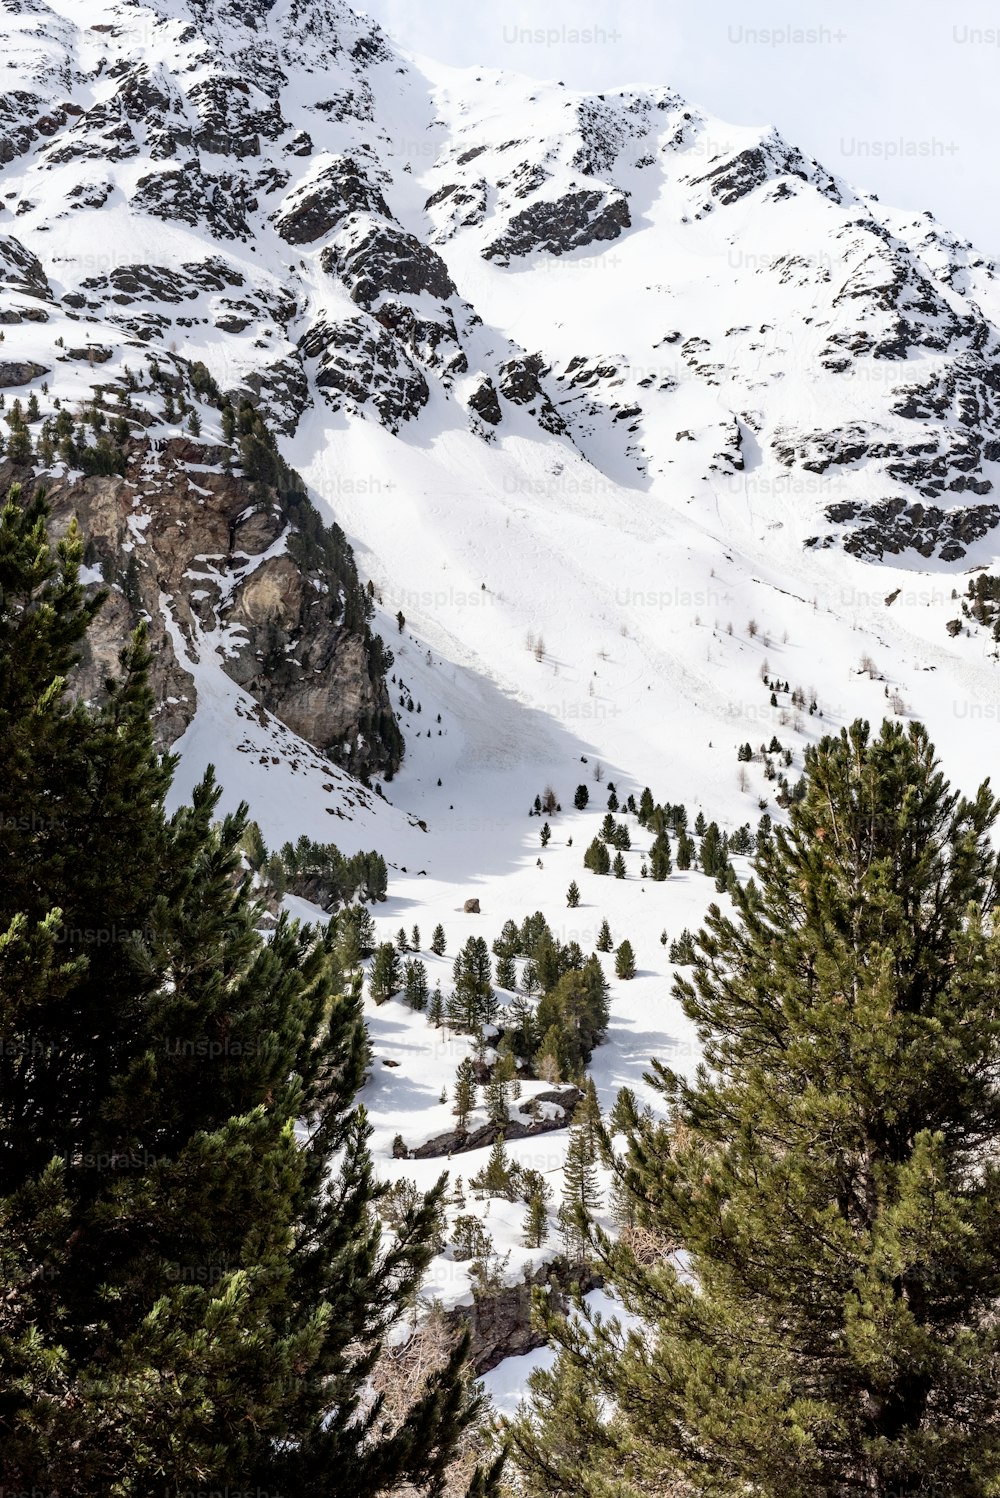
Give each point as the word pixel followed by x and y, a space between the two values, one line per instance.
pixel 812 1229
pixel 196 1288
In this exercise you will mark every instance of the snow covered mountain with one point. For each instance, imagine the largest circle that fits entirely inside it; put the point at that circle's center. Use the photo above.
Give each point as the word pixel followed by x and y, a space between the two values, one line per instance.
pixel 632 419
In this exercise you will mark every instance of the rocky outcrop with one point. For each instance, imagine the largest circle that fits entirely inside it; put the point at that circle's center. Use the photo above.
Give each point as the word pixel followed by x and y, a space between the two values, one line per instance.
pixel 892 526
pixel 20 372
pixel 214 561
pixel 358 362
pixel 314 210
pixel 500 1322
pixel 521 382
pixel 588 216
pixel 455 1142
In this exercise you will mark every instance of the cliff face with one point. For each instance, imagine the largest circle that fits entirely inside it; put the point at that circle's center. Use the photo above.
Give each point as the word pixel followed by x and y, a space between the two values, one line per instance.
pixel 215 561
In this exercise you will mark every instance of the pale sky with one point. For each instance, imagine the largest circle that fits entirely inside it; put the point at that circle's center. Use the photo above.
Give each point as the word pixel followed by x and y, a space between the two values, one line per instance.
pixel 900 99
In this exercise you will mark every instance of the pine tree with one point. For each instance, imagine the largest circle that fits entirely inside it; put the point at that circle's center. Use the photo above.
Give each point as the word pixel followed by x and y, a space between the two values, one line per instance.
pixel 660 863
pixel 597 858
pixel 549 1057
pixel 581 1193
pixel 438 944
pixel 830 1177
pixel 402 940
pixel 581 798
pixel 415 985
pixel 546 834
pixel 499 1176
pixel 573 895
pixel 473 1003
pixel 618 867
pixel 19 446
pixel 386 976
pixel 435 1009
pixel 499 1089
pixel 465 1092
pixel 415 938
pixel 522 1031
pixel 506 972
pixel 625 960
pixel 536 1222
pixel 604 943
pixel 194 1284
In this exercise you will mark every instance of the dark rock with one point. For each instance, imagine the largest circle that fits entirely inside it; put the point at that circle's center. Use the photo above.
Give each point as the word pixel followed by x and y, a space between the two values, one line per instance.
pixel 20 371
pixel 94 353
pixel 501 1323
pixel 520 382
pixel 485 402
pixel 360 362
pixel 315 210
pixel 579 218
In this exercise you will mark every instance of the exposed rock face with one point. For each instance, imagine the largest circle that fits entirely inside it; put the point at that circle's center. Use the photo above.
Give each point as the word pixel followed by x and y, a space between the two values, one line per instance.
pixel 357 362
pixel 579 218
pixel 320 205
pixel 471 907
pixel 484 402
pixel 236 567
pixel 892 527
pixel 501 1323
pixel 521 382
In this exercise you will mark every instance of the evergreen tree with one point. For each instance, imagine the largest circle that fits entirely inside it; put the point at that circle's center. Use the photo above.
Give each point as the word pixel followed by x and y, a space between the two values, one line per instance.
pixel 597 858
pixel 549 1062
pixel 618 867
pixel 508 943
pixel 604 943
pixel 577 1008
pixel 435 1009
pixel 19 446
pixel 612 800
pixel 645 806
pixel 536 1222
pixel 438 944
pixel 473 1002
pixel 465 1092
pixel 522 1031
pixel 194 1280
pixel 830 1176
pixel 402 940
pixel 386 976
pixel 685 851
pixel 581 798
pixel 499 1090
pixel 581 1193
pixel 506 972
pixel 415 938
pixel 573 895
pixel 660 863
pixel 608 826
pixel 499 1176
pixel 415 985
pixel 625 960
pixel 546 834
